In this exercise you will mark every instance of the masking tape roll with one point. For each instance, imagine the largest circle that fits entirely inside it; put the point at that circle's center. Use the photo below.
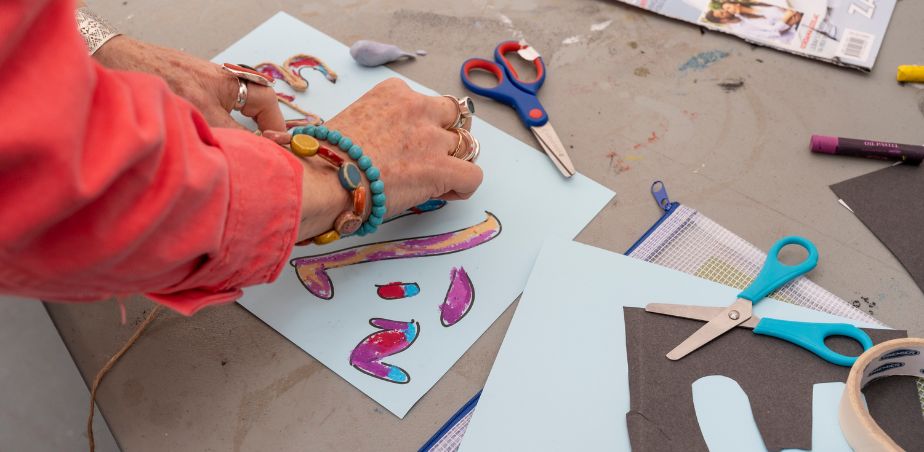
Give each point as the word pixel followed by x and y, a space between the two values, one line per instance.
pixel 895 357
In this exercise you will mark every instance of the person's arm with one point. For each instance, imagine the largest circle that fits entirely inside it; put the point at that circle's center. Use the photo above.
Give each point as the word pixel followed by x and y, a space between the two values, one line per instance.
pixel 110 184
pixel 202 83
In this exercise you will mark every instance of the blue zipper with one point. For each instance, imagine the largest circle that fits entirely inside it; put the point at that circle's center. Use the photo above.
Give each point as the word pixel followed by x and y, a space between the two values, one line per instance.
pixel 659 191
pixel 469 406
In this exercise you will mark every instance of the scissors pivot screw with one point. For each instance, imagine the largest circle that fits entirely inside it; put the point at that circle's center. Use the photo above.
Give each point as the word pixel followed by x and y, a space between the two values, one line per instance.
pixel 734 315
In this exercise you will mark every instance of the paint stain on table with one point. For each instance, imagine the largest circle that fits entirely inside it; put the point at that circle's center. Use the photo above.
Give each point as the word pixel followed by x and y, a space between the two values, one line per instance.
pixel 731 85
pixel 703 60
pixel 617 164
pixel 642 72
pixel 653 138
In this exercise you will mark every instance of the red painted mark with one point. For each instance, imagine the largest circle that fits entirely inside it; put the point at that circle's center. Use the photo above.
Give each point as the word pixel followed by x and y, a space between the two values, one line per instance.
pixel 653 138
pixel 535 113
pixel 617 164
pixel 397 290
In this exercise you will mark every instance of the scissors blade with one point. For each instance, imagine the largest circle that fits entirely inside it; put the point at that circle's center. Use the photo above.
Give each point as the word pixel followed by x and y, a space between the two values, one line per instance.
pixel 703 313
pixel 553 147
pixel 730 317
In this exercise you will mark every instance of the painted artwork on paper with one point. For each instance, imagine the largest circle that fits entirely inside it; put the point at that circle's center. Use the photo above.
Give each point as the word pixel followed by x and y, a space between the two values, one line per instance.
pixel 394 338
pixel 459 297
pixel 312 271
pixel 324 301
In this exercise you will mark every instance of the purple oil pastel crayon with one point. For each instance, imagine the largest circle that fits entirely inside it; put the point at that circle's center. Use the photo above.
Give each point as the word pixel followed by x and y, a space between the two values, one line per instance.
pixel 880 150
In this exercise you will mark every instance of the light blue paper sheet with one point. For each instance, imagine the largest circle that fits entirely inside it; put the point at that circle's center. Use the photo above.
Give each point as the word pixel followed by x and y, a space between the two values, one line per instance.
pixel 521 188
pixel 560 380
pixel 727 422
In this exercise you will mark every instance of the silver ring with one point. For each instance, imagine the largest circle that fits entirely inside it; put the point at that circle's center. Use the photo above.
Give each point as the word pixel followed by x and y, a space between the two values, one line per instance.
pixel 241 95
pixel 468 148
pixel 465 108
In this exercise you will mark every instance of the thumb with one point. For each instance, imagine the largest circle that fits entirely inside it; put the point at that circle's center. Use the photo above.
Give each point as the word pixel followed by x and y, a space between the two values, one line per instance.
pixel 263 107
pixel 462 178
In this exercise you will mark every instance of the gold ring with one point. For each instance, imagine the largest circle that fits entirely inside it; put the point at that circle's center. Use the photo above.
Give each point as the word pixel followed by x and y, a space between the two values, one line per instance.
pixel 465 108
pixel 468 148
pixel 460 146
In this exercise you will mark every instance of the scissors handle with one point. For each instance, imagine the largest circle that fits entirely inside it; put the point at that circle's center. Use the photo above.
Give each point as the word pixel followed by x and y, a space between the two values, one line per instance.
pixel 509 90
pixel 500 56
pixel 811 336
pixel 775 274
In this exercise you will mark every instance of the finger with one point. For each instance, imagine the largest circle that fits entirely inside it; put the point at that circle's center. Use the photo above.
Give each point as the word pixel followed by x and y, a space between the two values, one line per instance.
pixel 453 196
pixel 441 141
pixel 263 108
pixel 270 118
pixel 442 109
pixel 462 178
pixel 280 138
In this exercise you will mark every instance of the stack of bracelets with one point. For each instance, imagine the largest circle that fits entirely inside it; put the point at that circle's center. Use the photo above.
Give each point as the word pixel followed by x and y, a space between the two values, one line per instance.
pixel 305 144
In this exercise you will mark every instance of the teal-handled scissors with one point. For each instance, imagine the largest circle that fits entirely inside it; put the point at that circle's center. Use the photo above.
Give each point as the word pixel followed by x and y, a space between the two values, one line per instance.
pixel 520 95
pixel 773 275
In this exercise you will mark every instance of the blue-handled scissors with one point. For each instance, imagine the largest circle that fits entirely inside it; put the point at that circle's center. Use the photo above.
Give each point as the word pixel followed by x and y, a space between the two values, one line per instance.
pixel 773 275
pixel 520 95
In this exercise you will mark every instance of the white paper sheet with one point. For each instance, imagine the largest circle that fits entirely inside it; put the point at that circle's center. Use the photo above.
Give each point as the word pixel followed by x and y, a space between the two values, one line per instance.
pixel 560 380
pixel 521 188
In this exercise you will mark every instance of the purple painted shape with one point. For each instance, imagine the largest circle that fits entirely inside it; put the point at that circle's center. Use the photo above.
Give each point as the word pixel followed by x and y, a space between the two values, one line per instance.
pixel 312 271
pixel 459 298
pixel 395 337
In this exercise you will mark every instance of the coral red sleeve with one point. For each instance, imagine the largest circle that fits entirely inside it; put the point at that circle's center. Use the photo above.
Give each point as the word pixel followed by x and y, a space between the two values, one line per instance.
pixel 111 185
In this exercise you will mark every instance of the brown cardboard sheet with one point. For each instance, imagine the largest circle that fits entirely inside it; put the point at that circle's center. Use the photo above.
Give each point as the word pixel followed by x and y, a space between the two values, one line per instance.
pixel 777 377
pixel 888 203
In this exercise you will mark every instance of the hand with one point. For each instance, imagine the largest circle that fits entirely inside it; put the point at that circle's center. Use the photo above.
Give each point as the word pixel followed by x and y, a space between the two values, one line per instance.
pixel 402 131
pixel 204 84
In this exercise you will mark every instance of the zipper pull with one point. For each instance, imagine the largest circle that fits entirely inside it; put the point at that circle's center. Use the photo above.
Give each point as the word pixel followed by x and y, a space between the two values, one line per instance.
pixel 660 196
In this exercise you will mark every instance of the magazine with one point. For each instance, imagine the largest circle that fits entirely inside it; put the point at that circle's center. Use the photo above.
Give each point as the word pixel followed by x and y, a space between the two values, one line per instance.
pixel 843 32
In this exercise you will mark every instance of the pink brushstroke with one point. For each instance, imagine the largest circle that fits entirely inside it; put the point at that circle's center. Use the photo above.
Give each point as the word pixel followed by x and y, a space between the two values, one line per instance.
pixel 459 298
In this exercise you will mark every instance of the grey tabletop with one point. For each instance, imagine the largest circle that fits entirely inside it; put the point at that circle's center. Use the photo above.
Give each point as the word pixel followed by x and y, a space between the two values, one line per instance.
pixel 223 380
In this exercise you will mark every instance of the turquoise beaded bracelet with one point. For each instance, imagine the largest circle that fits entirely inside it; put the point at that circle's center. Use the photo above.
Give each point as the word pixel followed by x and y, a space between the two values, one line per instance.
pixel 376 186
